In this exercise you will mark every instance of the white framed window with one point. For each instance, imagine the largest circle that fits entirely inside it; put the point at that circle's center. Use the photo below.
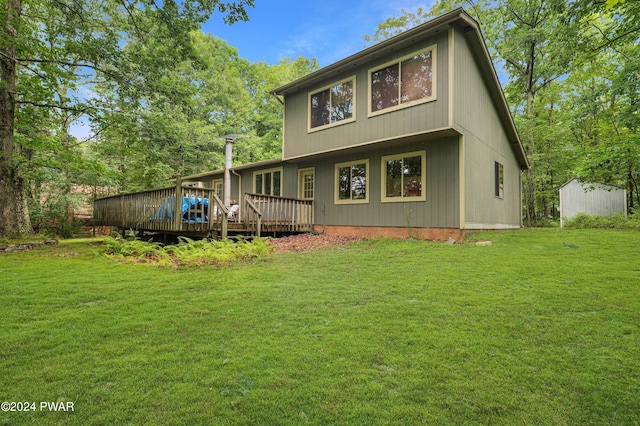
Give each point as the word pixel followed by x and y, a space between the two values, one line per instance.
pixel 306 183
pixel 268 182
pixel 403 177
pixel 218 187
pixel 499 180
pixel 332 105
pixel 404 82
pixel 351 182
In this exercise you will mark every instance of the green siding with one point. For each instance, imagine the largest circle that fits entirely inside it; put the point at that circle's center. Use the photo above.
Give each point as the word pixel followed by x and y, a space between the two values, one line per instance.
pixel 431 115
pixel 485 142
pixel 440 210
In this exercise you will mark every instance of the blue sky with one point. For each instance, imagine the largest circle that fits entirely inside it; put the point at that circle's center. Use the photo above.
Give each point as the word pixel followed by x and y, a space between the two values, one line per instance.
pixel 327 30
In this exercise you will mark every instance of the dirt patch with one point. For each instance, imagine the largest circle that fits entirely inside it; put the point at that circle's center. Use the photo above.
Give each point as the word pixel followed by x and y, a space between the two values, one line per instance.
pixel 303 242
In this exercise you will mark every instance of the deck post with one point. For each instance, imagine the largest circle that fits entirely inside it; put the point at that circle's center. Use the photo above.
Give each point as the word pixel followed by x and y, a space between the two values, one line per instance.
pixel 121 213
pixel 258 226
pixel 225 225
pixel 222 212
pixel 177 218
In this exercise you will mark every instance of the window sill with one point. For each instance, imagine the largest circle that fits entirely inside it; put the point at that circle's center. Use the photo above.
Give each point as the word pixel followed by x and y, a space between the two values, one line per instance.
pixel 346 202
pixel 401 106
pixel 404 200
pixel 330 126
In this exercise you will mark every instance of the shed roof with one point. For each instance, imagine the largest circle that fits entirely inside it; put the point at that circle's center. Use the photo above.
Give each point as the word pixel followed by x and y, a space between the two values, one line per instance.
pixel 436 25
pixel 595 185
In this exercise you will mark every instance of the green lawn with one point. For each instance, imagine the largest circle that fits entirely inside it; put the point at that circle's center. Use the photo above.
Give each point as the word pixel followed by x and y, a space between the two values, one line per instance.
pixel 540 328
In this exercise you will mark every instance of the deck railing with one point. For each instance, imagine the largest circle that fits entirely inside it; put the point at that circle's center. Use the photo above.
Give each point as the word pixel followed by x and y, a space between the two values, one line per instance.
pixel 201 211
pixel 277 214
pixel 198 210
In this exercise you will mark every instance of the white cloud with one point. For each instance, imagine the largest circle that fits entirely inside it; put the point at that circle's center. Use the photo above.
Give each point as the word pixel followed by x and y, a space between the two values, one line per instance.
pixel 333 32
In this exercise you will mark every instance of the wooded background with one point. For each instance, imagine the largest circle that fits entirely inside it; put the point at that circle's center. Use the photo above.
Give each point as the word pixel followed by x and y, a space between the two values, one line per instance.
pixel 159 96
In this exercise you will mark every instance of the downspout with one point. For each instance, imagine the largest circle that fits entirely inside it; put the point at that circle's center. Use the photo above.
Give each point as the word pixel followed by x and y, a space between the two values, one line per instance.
pixel 520 201
pixel 228 149
pixel 284 111
pixel 239 199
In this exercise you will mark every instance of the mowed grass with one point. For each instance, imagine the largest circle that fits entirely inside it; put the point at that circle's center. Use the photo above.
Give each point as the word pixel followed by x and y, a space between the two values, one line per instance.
pixel 540 328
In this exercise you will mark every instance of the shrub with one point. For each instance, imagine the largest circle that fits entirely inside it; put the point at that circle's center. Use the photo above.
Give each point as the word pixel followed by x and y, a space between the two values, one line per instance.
pixel 187 253
pixel 613 221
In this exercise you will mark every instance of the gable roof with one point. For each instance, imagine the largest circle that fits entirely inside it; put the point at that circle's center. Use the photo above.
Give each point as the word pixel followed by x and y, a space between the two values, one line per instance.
pixel 436 25
pixel 592 185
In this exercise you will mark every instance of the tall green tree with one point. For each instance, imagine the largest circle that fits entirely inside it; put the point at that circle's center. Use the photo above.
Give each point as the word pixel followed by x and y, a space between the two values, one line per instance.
pixel 539 41
pixel 606 93
pixel 72 41
pixel 267 118
pixel 220 94
pixel 179 123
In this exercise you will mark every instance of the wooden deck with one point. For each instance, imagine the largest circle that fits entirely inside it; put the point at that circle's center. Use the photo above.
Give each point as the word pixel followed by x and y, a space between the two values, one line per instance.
pixel 202 213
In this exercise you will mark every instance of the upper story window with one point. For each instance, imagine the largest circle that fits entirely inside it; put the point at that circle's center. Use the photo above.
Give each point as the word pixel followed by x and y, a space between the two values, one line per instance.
pixel 332 105
pixel 403 82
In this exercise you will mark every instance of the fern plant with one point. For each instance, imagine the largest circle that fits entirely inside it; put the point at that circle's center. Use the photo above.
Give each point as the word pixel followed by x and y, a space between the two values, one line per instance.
pixel 187 253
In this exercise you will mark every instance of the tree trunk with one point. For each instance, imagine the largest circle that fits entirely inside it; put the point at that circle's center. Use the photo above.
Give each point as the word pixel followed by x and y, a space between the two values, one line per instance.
pixel 530 189
pixel 14 214
pixel 633 190
pixel 530 198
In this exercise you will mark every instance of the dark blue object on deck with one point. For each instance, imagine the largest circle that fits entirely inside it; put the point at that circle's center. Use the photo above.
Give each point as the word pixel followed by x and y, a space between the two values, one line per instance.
pixel 194 210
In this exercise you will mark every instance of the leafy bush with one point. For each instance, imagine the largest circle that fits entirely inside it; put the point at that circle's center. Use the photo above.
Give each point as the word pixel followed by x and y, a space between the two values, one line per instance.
pixel 547 223
pixel 187 253
pixel 614 221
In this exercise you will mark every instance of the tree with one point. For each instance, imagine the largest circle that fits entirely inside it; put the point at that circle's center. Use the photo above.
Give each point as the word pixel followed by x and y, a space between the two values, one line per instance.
pixel 14 215
pixel 607 117
pixel 266 109
pixel 622 29
pixel 179 123
pixel 538 43
pixel 76 41
pixel 219 94
pixel 396 24
pixel 605 120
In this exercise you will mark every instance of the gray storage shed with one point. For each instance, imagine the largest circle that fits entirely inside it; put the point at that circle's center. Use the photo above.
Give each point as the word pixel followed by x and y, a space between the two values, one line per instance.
pixel 592 199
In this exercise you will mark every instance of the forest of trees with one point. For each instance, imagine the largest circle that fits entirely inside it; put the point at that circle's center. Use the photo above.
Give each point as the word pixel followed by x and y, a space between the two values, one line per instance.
pixel 159 96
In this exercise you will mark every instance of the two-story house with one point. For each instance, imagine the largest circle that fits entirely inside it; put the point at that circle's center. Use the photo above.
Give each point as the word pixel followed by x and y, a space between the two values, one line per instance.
pixel 412 136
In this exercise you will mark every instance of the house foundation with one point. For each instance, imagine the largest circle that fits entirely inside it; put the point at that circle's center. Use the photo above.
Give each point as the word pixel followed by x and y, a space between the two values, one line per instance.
pixel 433 234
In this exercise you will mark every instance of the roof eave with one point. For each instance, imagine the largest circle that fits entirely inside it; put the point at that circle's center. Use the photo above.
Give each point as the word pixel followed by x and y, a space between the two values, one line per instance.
pixel 498 93
pixel 443 21
pixel 372 52
pixel 240 167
